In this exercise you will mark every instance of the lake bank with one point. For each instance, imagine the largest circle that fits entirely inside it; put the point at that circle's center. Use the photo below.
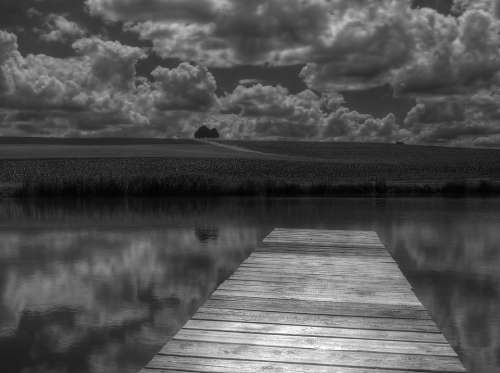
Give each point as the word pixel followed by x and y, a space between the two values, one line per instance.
pixel 121 177
pixel 250 168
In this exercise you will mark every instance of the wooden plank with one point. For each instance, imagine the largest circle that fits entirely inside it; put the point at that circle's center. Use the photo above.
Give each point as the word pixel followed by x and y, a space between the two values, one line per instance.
pixel 332 235
pixel 299 278
pixel 330 308
pixel 318 250
pixel 337 271
pixel 362 359
pixel 316 343
pixel 383 323
pixel 346 293
pixel 338 255
pixel 212 365
pixel 333 238
pixel 333 283
pixel 309 301
pixel 319 275
pixel 326 243
pixel 315 331
pixel 359 295
pixel 318 286
pixel 310 262
pixel 273 251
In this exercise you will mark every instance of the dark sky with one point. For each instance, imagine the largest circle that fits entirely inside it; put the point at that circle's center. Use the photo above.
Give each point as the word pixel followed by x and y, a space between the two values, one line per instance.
pixel 422 71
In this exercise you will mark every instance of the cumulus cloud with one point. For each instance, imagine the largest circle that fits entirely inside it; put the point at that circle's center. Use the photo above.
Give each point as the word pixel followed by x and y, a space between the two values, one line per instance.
pixel 224 32
pixel 448 61
pixel 250 82
pixel 344 44
pixel 272 112
pixel 186 87
pixel 347 125
pixel 363 46
pixel 245 33
pixel 461 6
pixel 458 120
pixel 112 63
pixel 33 12
pixel 8 46
pixel 137 10
pixel 57 28
pixel 453 55
pixel 103 68
pixel 417 51
pixel 98 92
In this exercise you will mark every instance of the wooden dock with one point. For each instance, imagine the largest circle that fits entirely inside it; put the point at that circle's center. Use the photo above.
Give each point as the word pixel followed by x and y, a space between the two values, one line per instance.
pixel 311 301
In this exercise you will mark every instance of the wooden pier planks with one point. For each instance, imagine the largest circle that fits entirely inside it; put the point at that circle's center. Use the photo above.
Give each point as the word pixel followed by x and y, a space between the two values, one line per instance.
pixel 309 301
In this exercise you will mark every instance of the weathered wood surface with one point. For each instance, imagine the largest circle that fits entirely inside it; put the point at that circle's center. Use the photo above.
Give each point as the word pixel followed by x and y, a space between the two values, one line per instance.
pixel 311 301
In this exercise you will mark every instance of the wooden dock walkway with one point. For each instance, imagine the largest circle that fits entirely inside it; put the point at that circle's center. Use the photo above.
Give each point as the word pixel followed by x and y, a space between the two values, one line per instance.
pixel 311 301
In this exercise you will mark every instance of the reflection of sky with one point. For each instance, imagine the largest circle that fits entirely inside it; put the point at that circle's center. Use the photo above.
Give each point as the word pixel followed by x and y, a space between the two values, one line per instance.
pixel 98 294
pixel 455 269
pixel 99 287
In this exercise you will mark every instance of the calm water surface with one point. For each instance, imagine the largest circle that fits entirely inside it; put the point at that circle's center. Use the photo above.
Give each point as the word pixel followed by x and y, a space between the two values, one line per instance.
pixel 100 286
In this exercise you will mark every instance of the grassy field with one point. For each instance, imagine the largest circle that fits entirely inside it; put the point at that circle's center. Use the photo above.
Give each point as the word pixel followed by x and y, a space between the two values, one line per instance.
pixel 175 167
pixel 113 148
pixel 368 153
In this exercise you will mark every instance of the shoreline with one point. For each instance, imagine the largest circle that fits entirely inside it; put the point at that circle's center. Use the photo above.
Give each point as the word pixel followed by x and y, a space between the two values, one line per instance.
pixel 211 187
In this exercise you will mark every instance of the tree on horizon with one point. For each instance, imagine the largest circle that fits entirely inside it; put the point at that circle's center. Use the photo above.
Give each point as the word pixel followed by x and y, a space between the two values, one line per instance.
pixel 206 133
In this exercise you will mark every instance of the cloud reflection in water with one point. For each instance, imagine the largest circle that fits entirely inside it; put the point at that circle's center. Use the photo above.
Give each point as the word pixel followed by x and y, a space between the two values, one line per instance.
pixel 78 300
pixel 99 286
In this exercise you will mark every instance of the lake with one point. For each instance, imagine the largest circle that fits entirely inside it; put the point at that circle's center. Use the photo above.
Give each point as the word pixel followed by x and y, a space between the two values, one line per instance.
pixel 100 286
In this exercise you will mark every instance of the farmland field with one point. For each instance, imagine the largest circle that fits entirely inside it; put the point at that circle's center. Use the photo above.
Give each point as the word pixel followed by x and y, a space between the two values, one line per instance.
pixel 375 152
pixel 242 167
pixel 113 148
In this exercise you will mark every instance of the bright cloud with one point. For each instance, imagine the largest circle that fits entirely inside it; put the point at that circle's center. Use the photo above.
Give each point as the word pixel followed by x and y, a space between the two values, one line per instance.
pixel 268 111
pixel 344 44
pixel 448 63
pixel 272 112
pixel 97 92
pixel 57 28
